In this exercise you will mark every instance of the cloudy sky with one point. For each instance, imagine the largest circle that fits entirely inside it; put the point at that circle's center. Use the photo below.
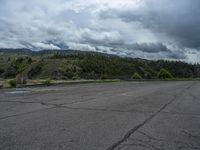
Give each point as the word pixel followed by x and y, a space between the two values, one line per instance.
pixel 151 29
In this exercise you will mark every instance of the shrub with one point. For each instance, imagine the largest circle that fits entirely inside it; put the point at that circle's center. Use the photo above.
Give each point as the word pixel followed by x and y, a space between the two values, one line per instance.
pixel 34 71
pixel 136 76
pixel 47 82
pixel 104 77
pixel 29 60
pixel 19 60
pixel 10 72
pixel 164 74
pixel 58 74
pixel 12 83
pixel 1 71
pixel 148 76
pixel 69 73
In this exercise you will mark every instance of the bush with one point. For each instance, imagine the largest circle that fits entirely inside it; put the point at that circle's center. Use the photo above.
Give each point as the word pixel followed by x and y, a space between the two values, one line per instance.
pixel 164 74
pixel 58 75
pixel 148 76
pixel 103 77
pixel 12 83
pixel 1 71
pixel 136 76
pixel 69 73
pixel 47 82
pixel 10 72
pixel 34 71
pixel 29 60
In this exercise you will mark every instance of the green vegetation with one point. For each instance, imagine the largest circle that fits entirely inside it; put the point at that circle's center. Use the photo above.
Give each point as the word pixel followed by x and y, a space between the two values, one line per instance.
pixel 34 70
pixel 136 76
pixel 164 74
pixel 23 65
pixel 12 83
pixel 47 82
pixel 103 77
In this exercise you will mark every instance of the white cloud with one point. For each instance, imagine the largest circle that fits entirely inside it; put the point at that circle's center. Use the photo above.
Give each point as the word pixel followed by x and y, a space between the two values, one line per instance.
pixel 45 46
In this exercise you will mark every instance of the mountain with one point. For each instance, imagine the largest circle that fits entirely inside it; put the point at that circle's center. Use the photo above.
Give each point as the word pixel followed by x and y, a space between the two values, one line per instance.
pixel 23 51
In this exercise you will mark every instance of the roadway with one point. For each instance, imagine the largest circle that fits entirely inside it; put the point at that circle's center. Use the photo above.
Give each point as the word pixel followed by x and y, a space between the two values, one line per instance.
pixel 102 116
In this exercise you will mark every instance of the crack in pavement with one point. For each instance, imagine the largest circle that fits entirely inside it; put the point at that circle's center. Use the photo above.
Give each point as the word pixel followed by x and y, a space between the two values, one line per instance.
pixel 190 134
pixel 181 114
pixel 130 132
pixel 151 144
pixel 61 105
pixel 144 144
pixel 150 141
pixel 38 110
pixel 194 98
pixel 22 102
pixel 20 114
pixel 150 137
pixel 105 110
pixel 133 130
pixel 64 105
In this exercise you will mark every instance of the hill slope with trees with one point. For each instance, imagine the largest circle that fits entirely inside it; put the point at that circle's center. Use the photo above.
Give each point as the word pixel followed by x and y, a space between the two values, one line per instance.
pixel 71 64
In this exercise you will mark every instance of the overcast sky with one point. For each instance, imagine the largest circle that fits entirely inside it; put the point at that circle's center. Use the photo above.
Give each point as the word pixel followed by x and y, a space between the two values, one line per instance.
pixel 151 29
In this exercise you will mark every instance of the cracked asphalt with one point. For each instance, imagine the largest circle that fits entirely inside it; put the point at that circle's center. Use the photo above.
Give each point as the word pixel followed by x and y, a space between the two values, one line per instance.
pixel 104 116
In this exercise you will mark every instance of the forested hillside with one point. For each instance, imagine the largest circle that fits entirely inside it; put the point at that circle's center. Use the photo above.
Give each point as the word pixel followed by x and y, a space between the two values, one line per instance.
pixel 70 64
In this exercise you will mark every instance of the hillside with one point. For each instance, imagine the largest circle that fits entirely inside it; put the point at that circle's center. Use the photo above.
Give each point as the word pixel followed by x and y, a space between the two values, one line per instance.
pixel 71 64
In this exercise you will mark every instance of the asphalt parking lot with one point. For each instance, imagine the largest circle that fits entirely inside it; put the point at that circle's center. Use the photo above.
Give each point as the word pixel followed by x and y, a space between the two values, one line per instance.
pixel 103 116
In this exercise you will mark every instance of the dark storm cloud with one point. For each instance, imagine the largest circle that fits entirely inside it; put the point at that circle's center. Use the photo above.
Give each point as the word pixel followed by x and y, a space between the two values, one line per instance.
pixel 133 49
pixel 144 47
pixel 149 47
pixel 120 43
pixel 178 19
